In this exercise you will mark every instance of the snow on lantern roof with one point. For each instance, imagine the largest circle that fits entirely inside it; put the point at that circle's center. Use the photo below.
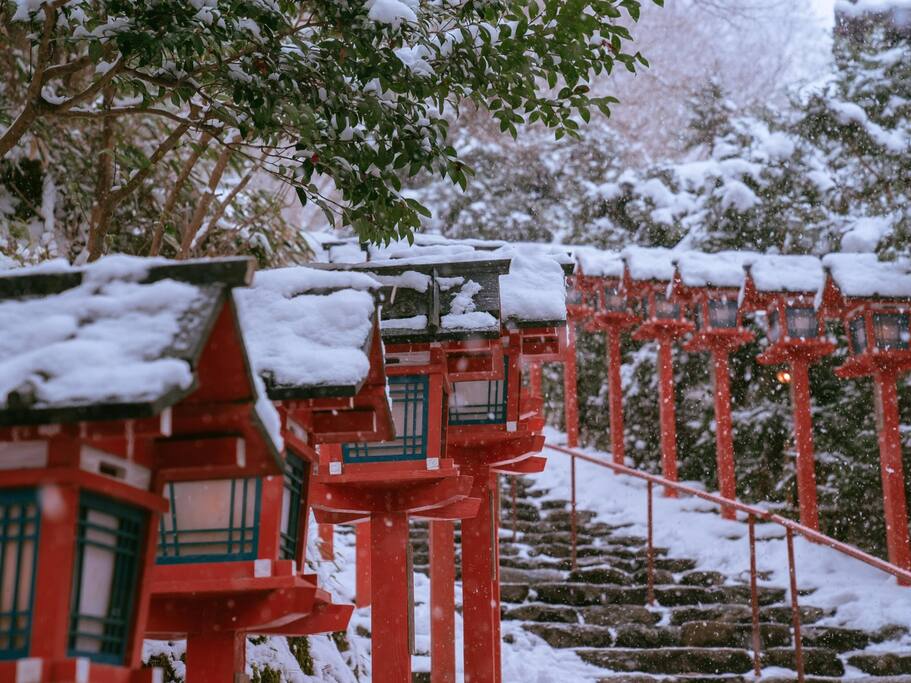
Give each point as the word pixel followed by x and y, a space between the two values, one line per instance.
pixel 865 276
pixel 534 290
pixel 309 330
pixel 434 300
pixel 722 269
pixel 116 339
pixel 786 273
pixel 650 263
pixel 531 289
pixel 598 262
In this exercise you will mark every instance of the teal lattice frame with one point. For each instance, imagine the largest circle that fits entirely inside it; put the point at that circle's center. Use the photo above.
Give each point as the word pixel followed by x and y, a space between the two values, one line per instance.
pixel 19 529
pixel 238 541
pixel 104 637
pixel 490 411
pixel 410 395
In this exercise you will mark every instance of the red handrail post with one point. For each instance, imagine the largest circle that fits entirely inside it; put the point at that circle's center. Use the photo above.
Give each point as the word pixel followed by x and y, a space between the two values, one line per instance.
pixel 650 556
pixel 903 575
pixel 803 437
pixel 890 457
pixel 724 431
pixel 514 485
pixel 754 600
pixel 572 514
pixel 668 412
pixel 570 397
pixel 615 395
pixel 795 606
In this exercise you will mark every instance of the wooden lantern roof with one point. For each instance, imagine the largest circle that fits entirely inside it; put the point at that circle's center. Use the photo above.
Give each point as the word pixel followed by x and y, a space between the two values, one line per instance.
pixel 310 330
pixel 772 277
pixel 119 339
pixel 314 340
pixel 141 358
pixel 439 301
pixel 851 279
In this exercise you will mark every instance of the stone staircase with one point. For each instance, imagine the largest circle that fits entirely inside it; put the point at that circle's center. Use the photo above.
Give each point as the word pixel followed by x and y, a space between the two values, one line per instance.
pixel 700 628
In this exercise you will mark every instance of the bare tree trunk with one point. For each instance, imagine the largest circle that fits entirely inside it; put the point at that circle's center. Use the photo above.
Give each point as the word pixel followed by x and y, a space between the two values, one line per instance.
pixel 157 237
pixel 101 210
pixel 101 220
pixel 191 228
pixel 226 202
pixel 30 110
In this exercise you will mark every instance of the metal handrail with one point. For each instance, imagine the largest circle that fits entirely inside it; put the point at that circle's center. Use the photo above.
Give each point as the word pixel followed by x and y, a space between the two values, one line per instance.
pixel 753 513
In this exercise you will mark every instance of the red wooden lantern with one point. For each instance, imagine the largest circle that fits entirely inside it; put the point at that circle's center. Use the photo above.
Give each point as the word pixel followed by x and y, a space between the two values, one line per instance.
pixel 709 284
pixel 603 273
pixel 117 362
pixel 784 289
pixel 648 276
pixel 231 548
pixel 873 301
pixel 494 428
pixel 437 317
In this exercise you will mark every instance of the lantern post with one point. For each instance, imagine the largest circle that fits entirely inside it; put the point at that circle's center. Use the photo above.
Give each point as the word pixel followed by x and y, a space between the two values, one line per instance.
pixel 602 276
pixel 784 289
pixel 231 551
pixel 429 333
pixel 709 284
pixel 495 428
pixel 872 299
pixel 78 488
pixel 578 306
pixel 648 275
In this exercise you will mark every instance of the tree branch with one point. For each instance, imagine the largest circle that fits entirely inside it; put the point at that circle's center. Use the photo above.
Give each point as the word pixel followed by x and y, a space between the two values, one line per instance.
pixel 186 169
pixel 191 228
pixel 223 206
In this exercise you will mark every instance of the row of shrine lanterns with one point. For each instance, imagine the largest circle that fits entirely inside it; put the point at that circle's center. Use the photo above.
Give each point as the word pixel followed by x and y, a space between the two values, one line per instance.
pixel 665 309
pixel 172 512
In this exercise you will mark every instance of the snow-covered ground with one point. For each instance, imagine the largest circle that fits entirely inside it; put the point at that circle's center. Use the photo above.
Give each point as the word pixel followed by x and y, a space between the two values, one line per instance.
pixel 861 596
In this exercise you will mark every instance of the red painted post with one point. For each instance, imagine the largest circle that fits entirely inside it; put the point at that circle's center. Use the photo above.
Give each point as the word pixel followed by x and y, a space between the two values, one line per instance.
pixel 724 431
pixel 442 602
pixel 650 556
pixel 514 486
pixel 795 606
pixel 480 593
pixel 803 437
pixel 495 603
pixel 56 551
pixel 390 622
pixel 570 398
pixel 615 395
pixel 572 469
pixel 326 541
pixel 536 380
pixel 216 657
pixel 754 601
pixel 362 564
pixel 666 401
pixel 892 471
